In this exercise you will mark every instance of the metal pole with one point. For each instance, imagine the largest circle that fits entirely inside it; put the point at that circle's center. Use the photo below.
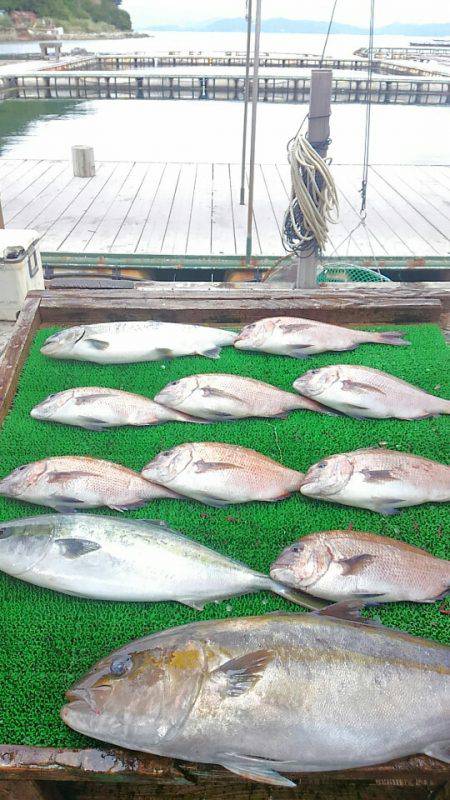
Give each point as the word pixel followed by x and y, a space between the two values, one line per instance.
pixel 255 88
pixel 246 94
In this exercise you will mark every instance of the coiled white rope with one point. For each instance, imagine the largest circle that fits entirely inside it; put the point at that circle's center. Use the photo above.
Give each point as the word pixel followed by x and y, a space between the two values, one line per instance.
pixel 314 202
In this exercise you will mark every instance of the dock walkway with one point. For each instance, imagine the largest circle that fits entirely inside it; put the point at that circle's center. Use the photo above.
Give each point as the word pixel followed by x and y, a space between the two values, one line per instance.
pixel 193 209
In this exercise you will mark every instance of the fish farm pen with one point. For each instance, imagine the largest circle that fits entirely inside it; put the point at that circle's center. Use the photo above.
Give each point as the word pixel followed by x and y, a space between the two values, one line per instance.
pixel 91 84
pixel 49 640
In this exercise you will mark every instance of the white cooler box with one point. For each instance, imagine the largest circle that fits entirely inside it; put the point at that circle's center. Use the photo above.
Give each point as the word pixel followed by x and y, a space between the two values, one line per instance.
pixel 20 269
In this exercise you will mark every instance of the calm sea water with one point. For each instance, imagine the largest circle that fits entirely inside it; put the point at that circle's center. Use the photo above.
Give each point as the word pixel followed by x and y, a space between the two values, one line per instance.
pixel 211 131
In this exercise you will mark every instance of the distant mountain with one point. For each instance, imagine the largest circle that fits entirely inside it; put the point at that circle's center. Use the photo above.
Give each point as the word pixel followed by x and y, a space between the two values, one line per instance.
pixel 282 25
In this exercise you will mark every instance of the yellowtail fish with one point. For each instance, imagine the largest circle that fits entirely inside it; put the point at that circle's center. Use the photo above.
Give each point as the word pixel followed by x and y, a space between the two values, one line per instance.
pixel 110 558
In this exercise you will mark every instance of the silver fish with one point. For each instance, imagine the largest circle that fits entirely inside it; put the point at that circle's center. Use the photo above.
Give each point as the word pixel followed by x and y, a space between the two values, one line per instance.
pixel 380 480
pixel 365 392
pixel 339 565
pixel 218 397
pixel 67 483
pixel 299 338
pixel 97 409
pixel 271 694
pixel 129 342
pixel 219 474
pixel 106 558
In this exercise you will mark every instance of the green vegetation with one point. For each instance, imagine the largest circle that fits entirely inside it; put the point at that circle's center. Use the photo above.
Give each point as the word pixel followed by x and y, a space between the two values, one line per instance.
pixel 75 12
pixel 49 640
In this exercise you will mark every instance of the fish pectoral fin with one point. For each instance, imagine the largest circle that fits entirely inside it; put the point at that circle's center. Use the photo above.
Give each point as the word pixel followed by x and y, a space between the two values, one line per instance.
pixel 97 344
pixel 207 466
pixel 88 398
pixel 240 674
pixel 349 610
pixel 63 503
pixel 209 391
pixel 93 424
pixel 349 386
pixel 439 750
pixel 211 352
pixel 254 770
pixel 163 352
pixel 74 548
pixel 55 477
pixel 378 475
pixel 189 601
pixel 128 506
pixel 351 566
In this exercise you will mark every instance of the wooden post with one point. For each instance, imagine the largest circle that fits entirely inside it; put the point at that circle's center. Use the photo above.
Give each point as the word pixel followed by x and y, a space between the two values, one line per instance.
pixel 83 161
pixel 2 219
pixel 318 134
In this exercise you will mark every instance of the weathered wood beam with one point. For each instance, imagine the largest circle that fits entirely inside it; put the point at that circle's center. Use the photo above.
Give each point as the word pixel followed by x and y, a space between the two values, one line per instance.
pixel 29 790
pixel 16 352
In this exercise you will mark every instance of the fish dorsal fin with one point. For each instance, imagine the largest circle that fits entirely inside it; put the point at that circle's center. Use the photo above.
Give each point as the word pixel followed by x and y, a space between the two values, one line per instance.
pixel 240 674
pixel 349 610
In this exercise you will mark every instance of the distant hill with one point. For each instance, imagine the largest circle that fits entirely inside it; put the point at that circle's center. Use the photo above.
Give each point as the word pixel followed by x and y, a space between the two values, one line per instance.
pixel 283 25
pixel 73 12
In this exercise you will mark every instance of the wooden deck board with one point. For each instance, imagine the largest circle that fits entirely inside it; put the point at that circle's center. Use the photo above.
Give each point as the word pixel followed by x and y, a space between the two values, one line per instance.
pixel 194 209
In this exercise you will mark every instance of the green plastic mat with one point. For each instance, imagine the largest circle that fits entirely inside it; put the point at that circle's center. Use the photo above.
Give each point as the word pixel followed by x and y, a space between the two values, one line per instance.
pixel 49 640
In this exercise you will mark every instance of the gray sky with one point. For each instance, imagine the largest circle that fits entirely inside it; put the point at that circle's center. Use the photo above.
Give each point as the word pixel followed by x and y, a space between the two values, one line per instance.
pixel 350 11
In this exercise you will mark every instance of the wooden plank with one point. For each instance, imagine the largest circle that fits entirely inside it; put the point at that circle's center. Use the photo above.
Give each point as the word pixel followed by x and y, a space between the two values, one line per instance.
pixel 111 224
pixel 391 212
pixel 177 231
pixel 29 790
pixel 424 189
pixel 16 352
pixel 61 217
pixel 267 224
pixel 80 237
pixel 222 240
pixel 22 182
pixel 199 236
pixel 128 237
pixel 112 764
pixel 383 231
pixel 152 236
pixel 416 198
pixel 14 175
pixel 8 166
pixel 26 216
pixel 239 214
pixel 31 193
pixel 427 238
pixel 351 309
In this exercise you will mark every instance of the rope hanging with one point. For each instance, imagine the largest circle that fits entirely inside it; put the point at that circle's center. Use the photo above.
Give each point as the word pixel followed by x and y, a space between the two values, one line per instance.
pixel 314 201
pixel 365 175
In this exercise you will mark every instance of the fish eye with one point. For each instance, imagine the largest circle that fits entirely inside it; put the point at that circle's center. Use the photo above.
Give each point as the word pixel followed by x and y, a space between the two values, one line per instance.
pixel 297 548
pixel 5 533
pixel 120 666
pixel 321 464
pixel 172 383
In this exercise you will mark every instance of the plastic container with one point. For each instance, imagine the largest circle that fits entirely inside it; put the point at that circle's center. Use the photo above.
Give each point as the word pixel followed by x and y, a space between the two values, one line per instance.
pixel 20 269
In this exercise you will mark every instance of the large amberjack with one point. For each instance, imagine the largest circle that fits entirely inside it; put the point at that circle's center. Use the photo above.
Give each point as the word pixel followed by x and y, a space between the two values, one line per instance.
pixel 299 338
pixel 366 392
pixel 128 342
pixel 271 694
pixel 67 483
pixel 219 474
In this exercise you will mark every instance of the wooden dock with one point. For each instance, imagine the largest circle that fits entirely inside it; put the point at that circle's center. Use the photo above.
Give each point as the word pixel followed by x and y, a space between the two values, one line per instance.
pixel 193 209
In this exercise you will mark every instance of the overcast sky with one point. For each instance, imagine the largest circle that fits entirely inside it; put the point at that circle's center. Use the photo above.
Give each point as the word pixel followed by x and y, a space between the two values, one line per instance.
pixel 350 11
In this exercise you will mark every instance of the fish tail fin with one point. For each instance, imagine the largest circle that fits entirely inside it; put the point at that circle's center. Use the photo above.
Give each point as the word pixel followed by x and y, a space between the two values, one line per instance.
pixel 390 337
pixel 294 596
pixel 439 750
pixel 444 406
pixel 313 405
